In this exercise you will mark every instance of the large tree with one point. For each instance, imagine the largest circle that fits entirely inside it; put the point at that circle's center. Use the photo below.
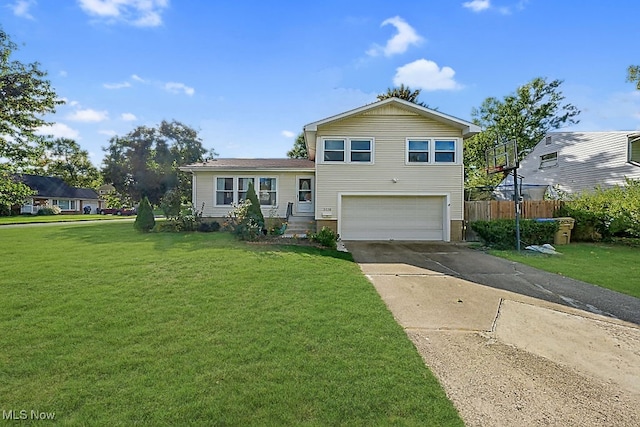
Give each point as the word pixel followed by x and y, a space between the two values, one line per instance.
pixel 299 150
pixel 633 75
pixel 402 92
pixel 526 116
pixel 25 97
pixel 65 159
pixel 144 163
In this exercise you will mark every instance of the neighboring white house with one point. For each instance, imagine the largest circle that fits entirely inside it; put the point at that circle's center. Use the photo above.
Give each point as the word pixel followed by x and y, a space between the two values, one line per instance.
pixel 576 161
pixel 388 170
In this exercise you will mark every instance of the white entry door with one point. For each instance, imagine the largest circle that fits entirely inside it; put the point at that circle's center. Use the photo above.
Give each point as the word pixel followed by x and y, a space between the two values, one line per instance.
pixel 304 197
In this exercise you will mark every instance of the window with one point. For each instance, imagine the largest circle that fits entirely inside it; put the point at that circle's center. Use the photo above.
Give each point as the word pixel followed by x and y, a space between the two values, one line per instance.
pixel 347 150
pixel 430 151
pixel 547 141
pixel 224 191
pixel 65 204
pixel 361 150
pixel 334 150
pixel 243 186
pixel 267 191
pixel 548 160
pixel 418 151
pixel 634 148
pixel 445 151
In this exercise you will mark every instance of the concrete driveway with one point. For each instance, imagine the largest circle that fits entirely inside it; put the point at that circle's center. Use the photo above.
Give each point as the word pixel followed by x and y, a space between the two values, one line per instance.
pixel 524 329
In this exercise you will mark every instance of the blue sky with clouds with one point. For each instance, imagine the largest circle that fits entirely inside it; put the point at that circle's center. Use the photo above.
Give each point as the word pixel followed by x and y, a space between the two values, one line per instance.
pixel 250 74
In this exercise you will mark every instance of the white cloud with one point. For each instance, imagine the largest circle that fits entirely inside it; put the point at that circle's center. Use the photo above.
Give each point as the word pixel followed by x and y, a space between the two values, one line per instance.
pixel 400 42
pixel 116 85
pixel 477 5
pixel 288 134
pixel 88 115
pixel 174 87
pixel 21 8
pixel 140 13
pixel 128 117
pixel 427 75
pixel 59 130
pixel 107 132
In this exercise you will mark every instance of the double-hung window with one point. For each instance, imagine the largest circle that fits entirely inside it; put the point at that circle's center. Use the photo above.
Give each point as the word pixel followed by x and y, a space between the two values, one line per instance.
pixel 430 151
pixel 418 151
pixel 445 151
pixel 334 150
pixel 233 189
pixel 548 160
pixel 65 204
pixel 224 191
pixel 268 191
pixel 347 150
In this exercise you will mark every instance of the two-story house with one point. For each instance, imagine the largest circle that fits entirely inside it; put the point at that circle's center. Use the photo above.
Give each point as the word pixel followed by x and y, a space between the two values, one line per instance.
pixel 388 170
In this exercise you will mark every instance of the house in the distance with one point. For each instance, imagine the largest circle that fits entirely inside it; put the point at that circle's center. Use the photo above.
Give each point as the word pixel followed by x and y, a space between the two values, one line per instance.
pixel 388 170
pixel 571 162
pixel 52 191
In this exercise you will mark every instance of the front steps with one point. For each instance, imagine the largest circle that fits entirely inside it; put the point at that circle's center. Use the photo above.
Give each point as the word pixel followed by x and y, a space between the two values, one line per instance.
pixel 300 226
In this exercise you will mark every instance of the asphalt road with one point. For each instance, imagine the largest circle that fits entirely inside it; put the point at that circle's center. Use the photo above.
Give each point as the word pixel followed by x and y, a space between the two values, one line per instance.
pixel 457 260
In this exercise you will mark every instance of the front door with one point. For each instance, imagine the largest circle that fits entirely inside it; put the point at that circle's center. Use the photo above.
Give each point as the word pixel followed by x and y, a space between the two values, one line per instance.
pixel 304 198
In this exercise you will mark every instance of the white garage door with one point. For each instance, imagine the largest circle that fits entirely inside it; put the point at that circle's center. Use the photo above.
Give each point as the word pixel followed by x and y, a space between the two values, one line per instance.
pixel 392 217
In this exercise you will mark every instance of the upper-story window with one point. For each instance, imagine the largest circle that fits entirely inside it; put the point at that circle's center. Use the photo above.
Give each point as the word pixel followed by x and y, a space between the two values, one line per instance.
pixel 334 150
pixel 548 160
pixel 634 148
pixel 445 151
pixel 347 150
pixel 429 151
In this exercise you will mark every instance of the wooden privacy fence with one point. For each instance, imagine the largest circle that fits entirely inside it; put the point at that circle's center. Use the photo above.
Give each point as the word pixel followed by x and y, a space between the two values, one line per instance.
pixel 486 210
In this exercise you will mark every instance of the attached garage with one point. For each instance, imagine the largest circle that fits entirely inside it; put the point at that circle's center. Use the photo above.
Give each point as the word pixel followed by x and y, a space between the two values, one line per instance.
pixel 393 217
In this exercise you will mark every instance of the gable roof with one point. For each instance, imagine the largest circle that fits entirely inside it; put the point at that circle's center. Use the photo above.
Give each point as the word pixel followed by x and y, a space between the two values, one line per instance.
pixel 252 164
pixel 467 129
pixel 49 186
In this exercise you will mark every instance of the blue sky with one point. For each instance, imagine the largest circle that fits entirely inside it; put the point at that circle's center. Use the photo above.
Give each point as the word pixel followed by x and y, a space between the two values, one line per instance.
pixel 248 75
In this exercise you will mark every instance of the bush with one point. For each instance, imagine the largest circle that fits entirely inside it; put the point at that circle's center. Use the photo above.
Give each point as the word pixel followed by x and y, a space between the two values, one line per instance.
pixel 606 213
pixel 501 233
pixel 171 203
pixel 207 227
pixel 242 223
pixel 187 219
pixel 144 221
pixel 326 237
pixel 49 210
pixel 254 211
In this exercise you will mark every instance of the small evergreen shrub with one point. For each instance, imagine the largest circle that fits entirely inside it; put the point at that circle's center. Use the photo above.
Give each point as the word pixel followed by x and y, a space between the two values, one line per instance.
pixel 326 237
pixel 242 223
pixel 208 227
pixel 49 210
pixel 254 211
pixel 144 220
pixel 501 233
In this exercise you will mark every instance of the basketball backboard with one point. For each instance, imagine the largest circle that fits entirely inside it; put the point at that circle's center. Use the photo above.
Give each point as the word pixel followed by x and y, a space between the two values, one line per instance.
pixel 502 157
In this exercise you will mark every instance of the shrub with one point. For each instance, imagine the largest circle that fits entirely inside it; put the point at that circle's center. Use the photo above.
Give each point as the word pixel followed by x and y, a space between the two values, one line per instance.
pixel 144 221
pixel 49 210
pixel 254 211
pixel 501 233
pixel 207 227
pixel 606 213
pixel 187 219
pixel 171 203
pixel 242 223
pixel 326 237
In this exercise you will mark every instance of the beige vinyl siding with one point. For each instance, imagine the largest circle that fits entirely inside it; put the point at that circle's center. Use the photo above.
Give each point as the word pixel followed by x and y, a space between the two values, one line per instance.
pixel 205 189
pixel 390 133
pixel 585 160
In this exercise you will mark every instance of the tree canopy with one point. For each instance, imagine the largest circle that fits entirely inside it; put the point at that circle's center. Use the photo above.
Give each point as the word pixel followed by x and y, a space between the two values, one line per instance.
pixel 527 115
pixel 402 92
pixel 299 150
pixel 65 159
pixel 144 162
pixel 633 75
pixel 25 97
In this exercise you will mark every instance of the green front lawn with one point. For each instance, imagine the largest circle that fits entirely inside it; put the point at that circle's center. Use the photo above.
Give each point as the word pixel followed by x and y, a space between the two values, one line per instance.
pixel 612 266
pixel 30 219
pixel 106 326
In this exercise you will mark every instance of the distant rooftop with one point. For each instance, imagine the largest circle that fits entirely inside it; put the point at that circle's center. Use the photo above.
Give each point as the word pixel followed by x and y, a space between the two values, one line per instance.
pixel 253 164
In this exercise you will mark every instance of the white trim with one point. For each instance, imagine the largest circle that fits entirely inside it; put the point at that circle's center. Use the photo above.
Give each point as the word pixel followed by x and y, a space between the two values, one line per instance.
pixel 458 153
pixel 235 188
pixel 446 214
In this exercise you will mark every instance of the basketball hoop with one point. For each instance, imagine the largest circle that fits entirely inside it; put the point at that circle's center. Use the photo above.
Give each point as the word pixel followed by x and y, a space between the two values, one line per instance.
pixel 502 158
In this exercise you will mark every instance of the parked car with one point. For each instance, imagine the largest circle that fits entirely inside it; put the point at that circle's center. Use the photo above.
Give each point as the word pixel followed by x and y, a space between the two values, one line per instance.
pixel 117 211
